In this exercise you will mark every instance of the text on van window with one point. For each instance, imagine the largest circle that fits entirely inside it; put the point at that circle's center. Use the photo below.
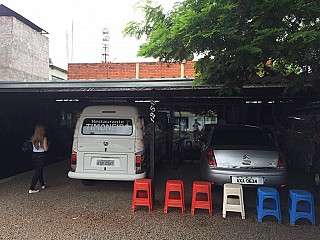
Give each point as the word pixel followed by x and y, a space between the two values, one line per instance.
pixel 107 126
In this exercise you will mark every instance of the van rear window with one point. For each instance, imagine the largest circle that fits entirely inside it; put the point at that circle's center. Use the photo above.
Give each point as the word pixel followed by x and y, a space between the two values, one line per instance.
pixel 107 126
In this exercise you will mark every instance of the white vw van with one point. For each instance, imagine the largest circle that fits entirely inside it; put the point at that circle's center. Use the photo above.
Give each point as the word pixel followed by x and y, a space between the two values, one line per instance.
pixel 112 143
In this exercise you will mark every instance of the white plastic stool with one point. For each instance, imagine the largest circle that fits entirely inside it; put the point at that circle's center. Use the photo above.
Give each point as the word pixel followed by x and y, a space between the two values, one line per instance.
pixel 233 204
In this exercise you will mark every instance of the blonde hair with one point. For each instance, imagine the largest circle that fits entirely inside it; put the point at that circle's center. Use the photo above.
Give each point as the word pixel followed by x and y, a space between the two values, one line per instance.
pixel 38 136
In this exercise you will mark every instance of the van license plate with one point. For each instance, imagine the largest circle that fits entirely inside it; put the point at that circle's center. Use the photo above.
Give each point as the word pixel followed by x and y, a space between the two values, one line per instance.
pixel 102 162
pixel 247 180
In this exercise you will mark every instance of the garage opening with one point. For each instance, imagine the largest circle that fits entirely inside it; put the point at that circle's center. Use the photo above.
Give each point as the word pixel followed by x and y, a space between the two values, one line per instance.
pixel 58 105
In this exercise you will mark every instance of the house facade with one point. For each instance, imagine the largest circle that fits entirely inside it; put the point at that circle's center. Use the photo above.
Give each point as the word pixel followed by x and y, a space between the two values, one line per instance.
pixel 57 74
pixel 24 49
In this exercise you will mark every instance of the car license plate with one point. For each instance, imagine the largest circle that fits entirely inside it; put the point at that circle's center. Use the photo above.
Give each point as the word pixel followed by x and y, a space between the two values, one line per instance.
pixel 247 180
pixel 103 162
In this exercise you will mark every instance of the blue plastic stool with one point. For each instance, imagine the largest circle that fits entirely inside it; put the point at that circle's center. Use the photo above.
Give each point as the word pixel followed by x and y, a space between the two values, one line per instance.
pixel 265 206
pixel 301 205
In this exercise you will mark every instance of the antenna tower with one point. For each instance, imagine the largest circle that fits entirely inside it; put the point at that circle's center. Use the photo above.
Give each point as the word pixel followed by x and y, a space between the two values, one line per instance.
pixel 105 45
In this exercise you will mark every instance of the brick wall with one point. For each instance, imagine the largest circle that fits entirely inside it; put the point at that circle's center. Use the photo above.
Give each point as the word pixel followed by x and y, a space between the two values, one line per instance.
pixel 189 69
pixel 129 70
pixel 159 70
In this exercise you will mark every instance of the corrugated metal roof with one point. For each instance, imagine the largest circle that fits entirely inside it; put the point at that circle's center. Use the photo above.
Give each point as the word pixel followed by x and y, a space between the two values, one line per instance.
pixel 168 91
pixel 111 85
pixel 96 85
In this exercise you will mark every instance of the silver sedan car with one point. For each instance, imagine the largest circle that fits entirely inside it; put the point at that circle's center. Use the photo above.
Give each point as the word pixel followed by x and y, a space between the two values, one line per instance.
pixel 242 154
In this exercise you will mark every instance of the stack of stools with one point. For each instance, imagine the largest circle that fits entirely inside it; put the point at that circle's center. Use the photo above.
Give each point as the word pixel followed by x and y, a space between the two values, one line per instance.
pixel 201 196
pixel 233 204
pixel 142 194
pixel 174 195
pixel 268 203
pixel 301 205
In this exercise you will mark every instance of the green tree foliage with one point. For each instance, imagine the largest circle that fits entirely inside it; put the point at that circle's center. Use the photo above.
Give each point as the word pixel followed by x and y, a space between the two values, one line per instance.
pixel 234 39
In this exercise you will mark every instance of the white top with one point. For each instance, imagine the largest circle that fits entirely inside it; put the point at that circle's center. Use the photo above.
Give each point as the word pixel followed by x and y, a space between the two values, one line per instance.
pixel 41 149
pixel 196 126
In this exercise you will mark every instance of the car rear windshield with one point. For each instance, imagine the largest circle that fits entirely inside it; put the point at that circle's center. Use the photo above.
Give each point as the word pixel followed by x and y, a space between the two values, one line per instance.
pixel 240 137
pixel 107 126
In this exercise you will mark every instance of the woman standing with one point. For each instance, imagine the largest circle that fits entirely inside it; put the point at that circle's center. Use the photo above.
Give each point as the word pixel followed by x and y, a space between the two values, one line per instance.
pixel 40 146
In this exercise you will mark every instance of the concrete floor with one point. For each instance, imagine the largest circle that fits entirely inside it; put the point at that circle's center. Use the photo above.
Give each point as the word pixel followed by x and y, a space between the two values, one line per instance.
pixel 68 210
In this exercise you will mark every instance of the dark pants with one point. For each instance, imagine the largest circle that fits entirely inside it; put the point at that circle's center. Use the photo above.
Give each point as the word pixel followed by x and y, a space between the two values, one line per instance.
pixel 38 160
pixel 196 135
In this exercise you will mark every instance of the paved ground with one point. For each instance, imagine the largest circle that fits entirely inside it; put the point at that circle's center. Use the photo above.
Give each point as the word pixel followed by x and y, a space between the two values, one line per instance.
pixel 69 210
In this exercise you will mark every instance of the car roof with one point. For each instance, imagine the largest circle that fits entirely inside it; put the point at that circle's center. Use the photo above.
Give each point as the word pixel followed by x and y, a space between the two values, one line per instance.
pixel 232 134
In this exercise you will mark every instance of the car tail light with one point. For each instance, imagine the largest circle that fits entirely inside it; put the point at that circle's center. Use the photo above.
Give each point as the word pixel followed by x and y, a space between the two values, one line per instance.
pixel 73 161
pixel 281 163
pixel 138 163
pixel 211 158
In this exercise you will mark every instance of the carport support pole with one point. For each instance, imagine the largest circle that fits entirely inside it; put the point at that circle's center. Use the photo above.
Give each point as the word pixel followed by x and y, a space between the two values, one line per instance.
pixel 152 145
pixel 171 133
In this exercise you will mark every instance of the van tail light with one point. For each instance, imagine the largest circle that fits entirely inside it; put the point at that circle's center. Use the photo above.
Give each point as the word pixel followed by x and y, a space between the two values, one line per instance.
pixel 138 163
pixel 73 161
pixel 211 158
pixel 281 162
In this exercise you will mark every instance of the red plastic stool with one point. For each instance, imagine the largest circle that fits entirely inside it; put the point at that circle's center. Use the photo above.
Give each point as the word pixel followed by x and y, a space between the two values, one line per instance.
pixel 174 195
pixel 142 195
pixel 203 200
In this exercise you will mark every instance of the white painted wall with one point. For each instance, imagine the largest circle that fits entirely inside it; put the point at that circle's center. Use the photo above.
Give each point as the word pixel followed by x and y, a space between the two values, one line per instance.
pixel 56 73
pixel 191 117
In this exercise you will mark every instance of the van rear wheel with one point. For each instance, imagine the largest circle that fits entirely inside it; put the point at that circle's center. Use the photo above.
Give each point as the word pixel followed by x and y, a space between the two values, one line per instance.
pixel 86 182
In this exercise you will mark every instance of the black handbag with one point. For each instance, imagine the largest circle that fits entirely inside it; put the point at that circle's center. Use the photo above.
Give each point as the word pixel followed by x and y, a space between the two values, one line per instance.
pixel 27 146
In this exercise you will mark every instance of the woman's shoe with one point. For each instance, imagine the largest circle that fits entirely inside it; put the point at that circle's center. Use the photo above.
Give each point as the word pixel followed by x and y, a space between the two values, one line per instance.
pixel 33 191
pixel 43 186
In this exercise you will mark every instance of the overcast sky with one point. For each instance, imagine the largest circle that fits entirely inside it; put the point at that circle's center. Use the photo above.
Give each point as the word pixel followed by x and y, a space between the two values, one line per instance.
pixel 88 18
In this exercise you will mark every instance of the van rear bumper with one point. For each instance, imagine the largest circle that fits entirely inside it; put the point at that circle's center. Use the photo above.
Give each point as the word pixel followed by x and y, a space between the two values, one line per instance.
pixel 104 176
